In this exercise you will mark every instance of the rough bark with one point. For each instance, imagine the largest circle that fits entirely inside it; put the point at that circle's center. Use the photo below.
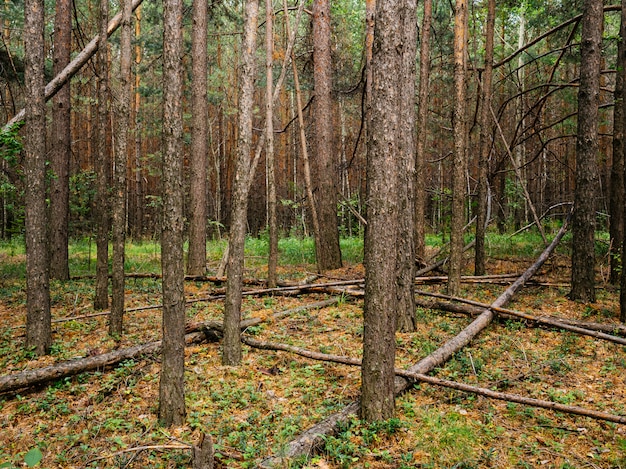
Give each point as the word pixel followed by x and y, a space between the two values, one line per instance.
pixel 203 454
pixel 405 254
pixel 38 331
pixel 459 163
pixel 381 236
pixel 485 143
pixel 272 263
pixel 328 253
pixel 103 170
pixel 60 147
pixel 118 225
pixel 587 180
pixel 422 137
pixel 231 352
pixel 618 189
pixel 313 438
pixel 171 386
pixel 74 66
pixel 196 259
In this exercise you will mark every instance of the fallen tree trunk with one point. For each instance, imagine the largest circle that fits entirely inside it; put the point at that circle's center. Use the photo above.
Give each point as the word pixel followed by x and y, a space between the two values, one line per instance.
pixel 313 438
pixel 195 333
pixel 543 320
pixel 412 376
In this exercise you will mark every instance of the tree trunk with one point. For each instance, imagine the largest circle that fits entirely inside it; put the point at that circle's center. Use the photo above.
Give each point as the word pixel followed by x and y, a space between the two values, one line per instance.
pixel 120 176
pixel 485 143
pixel 422 137
pixel 101 300
pixel 231 354
pixel 618 191
pixel 269 146
pixel 171 387
pixel 381 236
pixel 459 163
pixel 38 331
pixel 328 252
pixel 60 147
pixel 587 180
pixel 405 249
pixel 196 259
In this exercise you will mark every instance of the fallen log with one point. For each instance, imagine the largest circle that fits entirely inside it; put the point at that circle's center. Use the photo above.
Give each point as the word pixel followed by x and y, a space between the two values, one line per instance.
pixel 413 377
pixel 313 438
pixel 195 334
pixel 543 320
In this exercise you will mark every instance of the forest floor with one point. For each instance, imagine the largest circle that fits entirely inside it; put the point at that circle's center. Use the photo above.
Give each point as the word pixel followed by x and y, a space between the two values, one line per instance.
pixel 108 418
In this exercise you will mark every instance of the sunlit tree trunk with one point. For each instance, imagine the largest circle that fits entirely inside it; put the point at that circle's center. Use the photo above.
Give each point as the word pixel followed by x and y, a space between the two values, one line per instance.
pixel 196 259
pixel 103 170
pixel 38 322
pixel 269 146
pixel 405 260
pixel 617 195
pixel 138 221
pixel 60 147
pixel 328 252
pixel 231 354
pixel 122 119
pixel 587 180
pixel 380 251
pixel 459 163
pixel 171 388
pixel 422 137
pixel 485 143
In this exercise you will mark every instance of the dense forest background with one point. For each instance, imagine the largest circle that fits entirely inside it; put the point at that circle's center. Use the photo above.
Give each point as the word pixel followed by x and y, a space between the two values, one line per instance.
pixel 532 137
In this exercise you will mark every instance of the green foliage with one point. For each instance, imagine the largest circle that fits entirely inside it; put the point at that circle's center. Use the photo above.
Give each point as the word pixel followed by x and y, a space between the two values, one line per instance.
pixel 82 196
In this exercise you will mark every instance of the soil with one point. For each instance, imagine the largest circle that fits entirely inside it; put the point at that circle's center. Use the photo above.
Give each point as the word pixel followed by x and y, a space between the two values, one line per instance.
pixel 108 418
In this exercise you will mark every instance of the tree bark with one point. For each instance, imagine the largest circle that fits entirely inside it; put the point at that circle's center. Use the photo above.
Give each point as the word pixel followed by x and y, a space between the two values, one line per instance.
pixel 203 454
pixel 74 66
pixel 587 180
pixel 618 189
pixel 60 147
pixel 381 236
pixel 422 137
pixel 103 170
pixel 196 259
pixel 272 263
pixel 459 162
pixel 231 352
pixel 171 386
pixel 38 329
pixel 405 249
pixel 328 252
pixel 485 143
pixel 118 225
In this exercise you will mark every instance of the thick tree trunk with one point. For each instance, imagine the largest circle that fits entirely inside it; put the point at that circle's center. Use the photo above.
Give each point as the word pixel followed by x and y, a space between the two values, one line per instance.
pixel 618 189
pixel 38 331
pixel 485 143
pixel 327 249
pixel 381 237
pixel 405 253
pixel 587 180
pixel 171 387
pixel 231 354
pixel 196 259
pixel 122 118
pixel 103 170
pixel 459 162
pixel 422 137
pixel 60 147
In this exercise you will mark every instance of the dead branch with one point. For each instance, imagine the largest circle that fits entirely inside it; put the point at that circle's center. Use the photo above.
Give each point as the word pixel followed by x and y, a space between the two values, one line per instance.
pixel 413 376
pixel 543 320
pixel 312 438
pixel 195 333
